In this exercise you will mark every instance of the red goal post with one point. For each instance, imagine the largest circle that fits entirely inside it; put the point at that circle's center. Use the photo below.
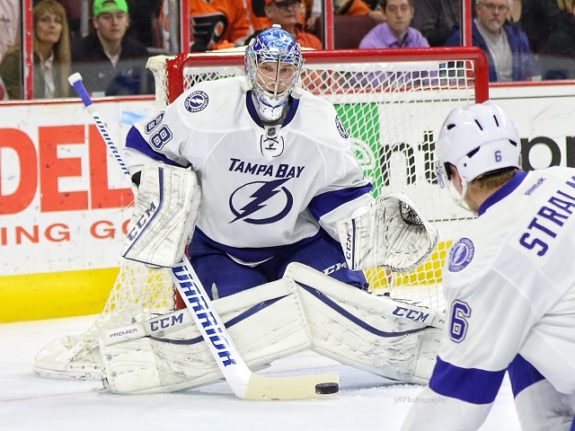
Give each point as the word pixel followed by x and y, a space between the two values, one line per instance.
pixel 169 71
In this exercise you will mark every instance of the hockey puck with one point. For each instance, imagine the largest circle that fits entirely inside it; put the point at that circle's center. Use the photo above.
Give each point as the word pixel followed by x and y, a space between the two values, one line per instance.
pixel 326 388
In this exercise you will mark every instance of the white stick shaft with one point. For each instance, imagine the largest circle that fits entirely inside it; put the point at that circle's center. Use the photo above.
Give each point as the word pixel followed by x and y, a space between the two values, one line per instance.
pixel 76 82
pixel 187 282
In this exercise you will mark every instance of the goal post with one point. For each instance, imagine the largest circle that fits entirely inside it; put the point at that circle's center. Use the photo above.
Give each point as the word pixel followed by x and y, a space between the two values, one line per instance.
pixel 392 103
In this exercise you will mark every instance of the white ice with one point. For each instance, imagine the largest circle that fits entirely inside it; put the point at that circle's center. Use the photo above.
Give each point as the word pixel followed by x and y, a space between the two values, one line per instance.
pixel 365 402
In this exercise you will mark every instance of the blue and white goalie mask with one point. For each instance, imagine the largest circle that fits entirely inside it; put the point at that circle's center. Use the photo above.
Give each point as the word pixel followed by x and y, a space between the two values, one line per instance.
pixel 273 65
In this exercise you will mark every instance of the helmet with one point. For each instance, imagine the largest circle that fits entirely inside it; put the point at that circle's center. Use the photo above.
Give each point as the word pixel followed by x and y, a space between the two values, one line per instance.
pixel 272 87
pixel 477 139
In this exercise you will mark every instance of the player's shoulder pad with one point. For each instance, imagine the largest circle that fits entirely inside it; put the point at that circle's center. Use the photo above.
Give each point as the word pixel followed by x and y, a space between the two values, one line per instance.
pixel 314 111
pixel 472 254
pixel 211 99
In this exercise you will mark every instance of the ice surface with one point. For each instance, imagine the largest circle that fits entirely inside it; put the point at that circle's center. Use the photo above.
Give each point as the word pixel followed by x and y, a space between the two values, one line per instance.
pixel 365 402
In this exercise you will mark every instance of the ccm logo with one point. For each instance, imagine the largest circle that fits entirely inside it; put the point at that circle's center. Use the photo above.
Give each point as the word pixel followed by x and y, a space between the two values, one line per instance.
pixel 142 221
pixel 166 322
pixel 408 313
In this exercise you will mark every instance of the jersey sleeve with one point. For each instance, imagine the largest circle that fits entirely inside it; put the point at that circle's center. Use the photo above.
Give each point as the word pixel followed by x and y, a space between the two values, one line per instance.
pixel 488 320
pixel 346 189
pixel 157 139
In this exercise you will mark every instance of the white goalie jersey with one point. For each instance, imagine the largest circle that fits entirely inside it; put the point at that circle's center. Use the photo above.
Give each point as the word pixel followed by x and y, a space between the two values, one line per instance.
pixel 262 186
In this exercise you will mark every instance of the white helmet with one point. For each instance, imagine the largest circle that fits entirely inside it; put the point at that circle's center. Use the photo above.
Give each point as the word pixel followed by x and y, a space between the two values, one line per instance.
pixel 477 139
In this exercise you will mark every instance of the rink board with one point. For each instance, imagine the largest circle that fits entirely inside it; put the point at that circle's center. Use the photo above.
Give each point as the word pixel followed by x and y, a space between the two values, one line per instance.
pixel 64 204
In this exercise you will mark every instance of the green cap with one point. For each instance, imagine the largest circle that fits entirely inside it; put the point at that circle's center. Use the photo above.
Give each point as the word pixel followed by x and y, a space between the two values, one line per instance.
pixel 102 6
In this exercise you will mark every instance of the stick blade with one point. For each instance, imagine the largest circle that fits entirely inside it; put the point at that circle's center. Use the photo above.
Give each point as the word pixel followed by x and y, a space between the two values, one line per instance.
pixel 263 388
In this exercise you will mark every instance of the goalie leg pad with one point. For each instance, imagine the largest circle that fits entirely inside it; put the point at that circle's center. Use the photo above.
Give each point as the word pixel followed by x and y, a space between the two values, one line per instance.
pixel 391 233
pixel 164 215
pixel 268 324
pixel 387 337
pixel 75 357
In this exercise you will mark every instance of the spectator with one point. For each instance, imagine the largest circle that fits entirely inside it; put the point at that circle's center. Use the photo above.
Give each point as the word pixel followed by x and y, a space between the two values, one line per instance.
pixel 218 24
pixel 557 56
pixel 396 31
pixel 9 24
pixel 285 14
pixel 208 25
pixel 143 15
pixel 51 54
pixel 239 27
pixel 506 46
pixel 537 18
pixel 110 62
pixel 358 7
pixel 435 19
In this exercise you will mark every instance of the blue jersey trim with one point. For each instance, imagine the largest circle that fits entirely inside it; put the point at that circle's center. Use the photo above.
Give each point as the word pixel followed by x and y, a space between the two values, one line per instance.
pixel 327 202
pixel 135 141
pixel 503 191
pixel 471 385
pixel 522 374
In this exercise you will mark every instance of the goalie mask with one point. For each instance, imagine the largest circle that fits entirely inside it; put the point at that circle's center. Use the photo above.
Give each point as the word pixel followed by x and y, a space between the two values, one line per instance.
pixel 477 139
pixel 273 65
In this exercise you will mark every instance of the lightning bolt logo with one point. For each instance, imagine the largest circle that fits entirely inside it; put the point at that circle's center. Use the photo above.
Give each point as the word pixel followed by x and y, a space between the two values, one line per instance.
pixel 260 199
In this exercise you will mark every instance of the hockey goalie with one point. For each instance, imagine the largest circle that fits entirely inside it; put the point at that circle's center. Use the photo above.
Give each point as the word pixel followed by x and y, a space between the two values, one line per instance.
pixel 255 180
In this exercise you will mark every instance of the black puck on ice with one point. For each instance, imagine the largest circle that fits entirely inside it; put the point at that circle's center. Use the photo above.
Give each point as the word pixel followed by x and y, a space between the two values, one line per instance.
pixel 326 388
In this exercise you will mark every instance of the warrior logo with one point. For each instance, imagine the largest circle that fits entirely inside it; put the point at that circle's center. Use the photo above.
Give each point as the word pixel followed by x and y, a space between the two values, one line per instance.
pixel 197 101
pixel 261 202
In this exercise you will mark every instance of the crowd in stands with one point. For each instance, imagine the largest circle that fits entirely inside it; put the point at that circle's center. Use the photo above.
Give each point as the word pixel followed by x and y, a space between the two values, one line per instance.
pixel 522 39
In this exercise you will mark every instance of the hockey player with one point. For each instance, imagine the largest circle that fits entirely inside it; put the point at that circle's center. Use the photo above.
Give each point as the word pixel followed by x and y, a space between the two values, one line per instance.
pixel 509 282
pixel 285 224
pixel 277 172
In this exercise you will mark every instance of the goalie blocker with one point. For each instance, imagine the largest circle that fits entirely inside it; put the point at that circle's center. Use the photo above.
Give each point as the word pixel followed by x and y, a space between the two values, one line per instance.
pixel 303 310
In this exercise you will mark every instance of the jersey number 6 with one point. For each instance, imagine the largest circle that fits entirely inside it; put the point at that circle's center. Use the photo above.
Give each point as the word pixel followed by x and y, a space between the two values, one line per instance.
pixel 460 311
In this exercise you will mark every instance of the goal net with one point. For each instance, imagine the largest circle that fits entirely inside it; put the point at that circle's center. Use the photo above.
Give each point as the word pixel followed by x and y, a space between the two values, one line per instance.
pixel 392 103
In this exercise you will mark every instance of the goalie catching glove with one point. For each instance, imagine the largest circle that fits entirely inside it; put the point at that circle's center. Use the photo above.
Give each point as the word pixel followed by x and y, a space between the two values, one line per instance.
pixel 391 233
pixel 164 215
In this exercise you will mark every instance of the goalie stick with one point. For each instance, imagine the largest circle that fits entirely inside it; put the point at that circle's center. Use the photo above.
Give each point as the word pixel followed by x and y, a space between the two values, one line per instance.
pixel 244 383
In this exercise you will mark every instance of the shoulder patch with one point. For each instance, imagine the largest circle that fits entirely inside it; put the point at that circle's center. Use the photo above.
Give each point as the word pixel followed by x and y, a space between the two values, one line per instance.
pixel 461 254
pixel 196 101
pixel 341 128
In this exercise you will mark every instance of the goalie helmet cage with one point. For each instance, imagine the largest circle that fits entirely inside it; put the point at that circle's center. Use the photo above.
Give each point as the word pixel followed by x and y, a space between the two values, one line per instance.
pixel 392 103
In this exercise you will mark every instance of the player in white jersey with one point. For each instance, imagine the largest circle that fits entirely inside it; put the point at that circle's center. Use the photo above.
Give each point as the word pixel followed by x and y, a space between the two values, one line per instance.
pixel 509 282
pixel 263 175
pixel 277 170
